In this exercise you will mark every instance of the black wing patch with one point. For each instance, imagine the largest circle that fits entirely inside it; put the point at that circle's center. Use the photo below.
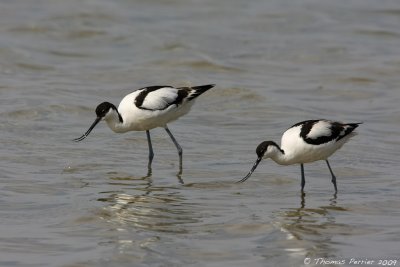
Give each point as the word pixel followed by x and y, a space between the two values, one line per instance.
pixel 195 91
pixel 350 128
pixel 306 129
pixel 181 94
pixel 337 131
pixel 145 91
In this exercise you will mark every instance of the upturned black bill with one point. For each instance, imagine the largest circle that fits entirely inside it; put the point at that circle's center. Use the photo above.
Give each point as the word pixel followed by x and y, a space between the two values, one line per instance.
pixel 251 171
pixel 88 131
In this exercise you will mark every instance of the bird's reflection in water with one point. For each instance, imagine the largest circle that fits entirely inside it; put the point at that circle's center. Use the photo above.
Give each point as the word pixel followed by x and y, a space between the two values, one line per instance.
pixel 311 230
pixel 139 204
pixel 178 174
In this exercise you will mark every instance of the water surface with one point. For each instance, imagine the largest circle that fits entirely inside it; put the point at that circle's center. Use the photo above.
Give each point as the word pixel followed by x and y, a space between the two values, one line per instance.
pixel 274 62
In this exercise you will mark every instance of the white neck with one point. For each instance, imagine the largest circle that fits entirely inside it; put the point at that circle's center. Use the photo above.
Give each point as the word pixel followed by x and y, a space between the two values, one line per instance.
pixel 113 121
pixel 278 156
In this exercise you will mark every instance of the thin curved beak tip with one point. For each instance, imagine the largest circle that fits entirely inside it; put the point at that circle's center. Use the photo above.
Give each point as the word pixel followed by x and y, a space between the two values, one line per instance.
pixel 244 178
pixel 250 172
pixel 79 138
pixel 88 131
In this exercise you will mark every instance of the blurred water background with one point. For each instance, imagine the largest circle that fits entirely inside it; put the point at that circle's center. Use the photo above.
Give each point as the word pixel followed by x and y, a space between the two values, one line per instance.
pixel 274 62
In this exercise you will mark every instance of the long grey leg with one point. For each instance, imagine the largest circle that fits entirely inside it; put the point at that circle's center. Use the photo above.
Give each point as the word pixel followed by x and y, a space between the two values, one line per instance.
pixel 333 176
pixel 151 153
pixel 178 147
pixel 303 180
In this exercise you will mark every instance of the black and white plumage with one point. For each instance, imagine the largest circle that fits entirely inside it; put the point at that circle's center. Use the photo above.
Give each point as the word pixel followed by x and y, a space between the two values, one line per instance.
pixel 305 142
pixel 148 108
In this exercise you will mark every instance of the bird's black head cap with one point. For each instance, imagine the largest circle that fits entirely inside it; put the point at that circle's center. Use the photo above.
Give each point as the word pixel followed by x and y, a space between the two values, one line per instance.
pixel 103 108
pixel 263 147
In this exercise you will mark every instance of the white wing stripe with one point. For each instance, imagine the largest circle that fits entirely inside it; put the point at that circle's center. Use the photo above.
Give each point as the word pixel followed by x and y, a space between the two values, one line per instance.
pixel 160 99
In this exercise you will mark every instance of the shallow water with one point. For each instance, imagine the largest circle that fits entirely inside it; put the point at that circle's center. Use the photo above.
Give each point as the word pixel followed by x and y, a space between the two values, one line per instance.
pixel 274 62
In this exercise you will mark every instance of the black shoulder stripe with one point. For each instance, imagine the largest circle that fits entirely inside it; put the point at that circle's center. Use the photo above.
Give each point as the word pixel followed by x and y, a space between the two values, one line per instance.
pixel 336 128
pixel 145 91
pixel 309 124
pixel 338 131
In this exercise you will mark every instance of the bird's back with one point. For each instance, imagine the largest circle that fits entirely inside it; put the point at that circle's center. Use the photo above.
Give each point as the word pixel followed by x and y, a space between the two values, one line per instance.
pixel 155 106
pixel 313 140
